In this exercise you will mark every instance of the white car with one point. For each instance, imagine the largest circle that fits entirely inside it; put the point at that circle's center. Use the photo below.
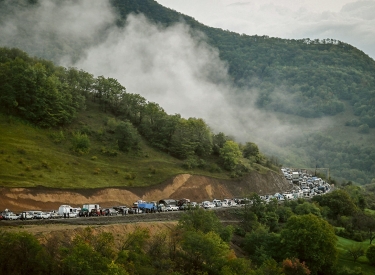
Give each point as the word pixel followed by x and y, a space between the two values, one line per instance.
pixel 11 216
pixel 207 204
pixel 172 208
pixel 43 215
pixel 26 216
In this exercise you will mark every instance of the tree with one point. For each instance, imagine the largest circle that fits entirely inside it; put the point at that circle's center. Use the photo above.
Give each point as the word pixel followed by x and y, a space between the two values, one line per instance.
pixel 307 208
pixel 191 137
pixel 339 203
pixel 204 251
pixel 295 267
pixel 127 136
pixel 312 240
pixel 21 253
pixel 355 251
pixel 261 245
pixel 200 220
pixel 365 222
pixel 251 151
pixel 370 255
pixel 230 154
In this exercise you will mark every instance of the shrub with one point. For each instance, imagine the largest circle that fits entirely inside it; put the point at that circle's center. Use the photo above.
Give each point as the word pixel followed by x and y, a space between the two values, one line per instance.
pixel 57 137
pixel 108 152
pixel 214 168
pixel 370 254
pixel 80 143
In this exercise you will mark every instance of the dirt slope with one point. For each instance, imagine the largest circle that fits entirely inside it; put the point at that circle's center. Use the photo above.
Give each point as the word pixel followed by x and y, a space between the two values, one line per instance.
pixel 196 188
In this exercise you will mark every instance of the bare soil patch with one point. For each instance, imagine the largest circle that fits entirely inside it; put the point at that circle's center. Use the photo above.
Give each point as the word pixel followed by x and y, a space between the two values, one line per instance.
pixel 194 187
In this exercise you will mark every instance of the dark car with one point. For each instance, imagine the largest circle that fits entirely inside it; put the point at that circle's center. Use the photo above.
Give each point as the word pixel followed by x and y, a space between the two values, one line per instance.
pixel 84 212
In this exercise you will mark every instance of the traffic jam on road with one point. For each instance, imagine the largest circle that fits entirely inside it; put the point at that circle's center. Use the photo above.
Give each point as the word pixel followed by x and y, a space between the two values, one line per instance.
pixel 303 185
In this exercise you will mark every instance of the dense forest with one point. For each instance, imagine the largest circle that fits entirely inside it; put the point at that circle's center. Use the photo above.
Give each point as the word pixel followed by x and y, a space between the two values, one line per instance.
pixel 296 237
pixel 301 78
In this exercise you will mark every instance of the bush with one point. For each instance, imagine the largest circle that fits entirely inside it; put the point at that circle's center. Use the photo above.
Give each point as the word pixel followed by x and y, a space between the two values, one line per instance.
pixel 214 168
pixel 370 254
pixel 57 137
pixel 80 143
pixel 190 163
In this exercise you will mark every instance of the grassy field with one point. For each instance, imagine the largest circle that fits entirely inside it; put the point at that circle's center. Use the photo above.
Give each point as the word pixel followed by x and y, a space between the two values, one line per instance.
pixel 345 260
pixel 30 156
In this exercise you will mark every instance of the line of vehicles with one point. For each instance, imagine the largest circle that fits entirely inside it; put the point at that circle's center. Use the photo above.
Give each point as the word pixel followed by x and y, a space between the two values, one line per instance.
pixel 303 186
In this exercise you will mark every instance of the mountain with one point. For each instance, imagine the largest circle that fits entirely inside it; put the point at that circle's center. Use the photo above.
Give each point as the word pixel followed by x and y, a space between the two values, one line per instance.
pixel 321 92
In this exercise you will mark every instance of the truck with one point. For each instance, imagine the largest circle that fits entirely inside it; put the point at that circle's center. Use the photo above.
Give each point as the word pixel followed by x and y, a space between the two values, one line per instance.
pixel 91 206
pixel 148 207
pixel 66 211
pixel 295 177
pixel 91 210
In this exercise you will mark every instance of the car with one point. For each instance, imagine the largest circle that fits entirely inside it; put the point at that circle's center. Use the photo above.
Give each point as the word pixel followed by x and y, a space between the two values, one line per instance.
pixel 84 212
pixel 26 216
pixel 43 215
pixel 110 212
pixel 185 206
pixel 11 216
pixel 161 208
pixel 207 204
pixel 172 208
pixel 55 215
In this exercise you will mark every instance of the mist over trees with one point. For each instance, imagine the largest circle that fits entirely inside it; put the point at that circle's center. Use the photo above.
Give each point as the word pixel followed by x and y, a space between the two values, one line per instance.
pixel 305 78
pixel 50 96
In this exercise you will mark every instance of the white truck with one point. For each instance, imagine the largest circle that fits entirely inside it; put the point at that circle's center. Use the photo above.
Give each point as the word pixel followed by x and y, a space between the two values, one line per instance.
pixel 295 177
pixel 66 211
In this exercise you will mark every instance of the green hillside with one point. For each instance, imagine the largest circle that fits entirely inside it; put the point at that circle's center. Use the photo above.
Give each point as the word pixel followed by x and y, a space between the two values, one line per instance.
pixel 65 128
pixel 301 81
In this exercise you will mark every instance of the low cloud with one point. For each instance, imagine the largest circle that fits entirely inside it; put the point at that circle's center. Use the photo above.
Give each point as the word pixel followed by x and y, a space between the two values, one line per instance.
pixel 346 20
pixel 172 66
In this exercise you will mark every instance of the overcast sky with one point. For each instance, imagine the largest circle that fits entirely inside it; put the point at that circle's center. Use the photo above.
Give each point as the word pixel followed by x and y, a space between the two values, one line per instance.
pixel 349 21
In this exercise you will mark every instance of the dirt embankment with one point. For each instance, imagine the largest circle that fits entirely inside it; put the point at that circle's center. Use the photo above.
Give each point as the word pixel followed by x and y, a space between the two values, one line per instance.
pixel 196 188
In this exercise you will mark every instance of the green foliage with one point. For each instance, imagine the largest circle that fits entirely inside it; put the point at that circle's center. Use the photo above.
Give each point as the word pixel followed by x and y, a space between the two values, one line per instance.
pixel 261 245
pixel 230 154
pixel 356 251
pixel 339 203
pixel 307 208
pixel 57 137
pixel 200 220
pixel 311 240
pixel 295 267
pixel 370 254
pixel 127 137
pixel 251 151
pixel 37 91
pixel 80 143
pixel 21 253
pixel 191 137
pixel 204 251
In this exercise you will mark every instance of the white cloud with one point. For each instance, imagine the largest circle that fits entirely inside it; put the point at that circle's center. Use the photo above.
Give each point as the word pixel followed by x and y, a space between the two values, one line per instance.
pixel 344 20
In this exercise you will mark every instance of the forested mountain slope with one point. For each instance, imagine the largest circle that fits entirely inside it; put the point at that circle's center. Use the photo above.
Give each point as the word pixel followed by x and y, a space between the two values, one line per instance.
pixel 298 80
pixel 88 132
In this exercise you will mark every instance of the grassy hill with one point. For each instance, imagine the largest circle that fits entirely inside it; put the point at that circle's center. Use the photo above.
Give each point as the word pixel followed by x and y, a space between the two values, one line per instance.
pixel 32 156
